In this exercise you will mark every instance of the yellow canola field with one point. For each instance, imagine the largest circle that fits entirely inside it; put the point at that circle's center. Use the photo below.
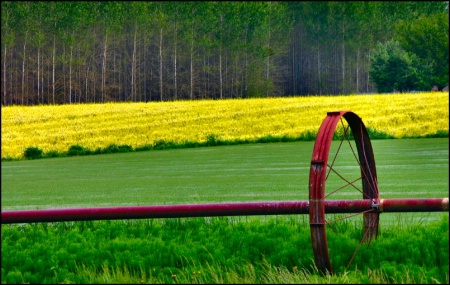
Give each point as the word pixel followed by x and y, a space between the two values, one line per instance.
pixel 57 127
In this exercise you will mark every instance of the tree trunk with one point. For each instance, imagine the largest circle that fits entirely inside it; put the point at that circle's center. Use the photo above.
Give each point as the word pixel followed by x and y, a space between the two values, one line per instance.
pixel 220 72
pixel 160 64
pixel 42 79
pixel 4 76
pixel 220 59
pixel 114 75
pixel 343 66
pixel 70 75
pixel 23 67
pixel 175 63
pixel 11 76
pixel 38 73
pixel 53 68
pixel 86 82
pixel 293 67
pixel 144 86
pixel 318 71
pixel 133 68
pixel 357 71
pixel 64 72
pixel 104 66
pixel 368 76
pixel 191 90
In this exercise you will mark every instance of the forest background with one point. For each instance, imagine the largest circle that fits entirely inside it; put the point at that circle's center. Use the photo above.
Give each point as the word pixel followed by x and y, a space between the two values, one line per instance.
pixel 105 51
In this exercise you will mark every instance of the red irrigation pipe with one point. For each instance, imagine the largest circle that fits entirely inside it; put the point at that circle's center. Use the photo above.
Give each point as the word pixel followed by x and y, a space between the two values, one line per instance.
pixel 224 209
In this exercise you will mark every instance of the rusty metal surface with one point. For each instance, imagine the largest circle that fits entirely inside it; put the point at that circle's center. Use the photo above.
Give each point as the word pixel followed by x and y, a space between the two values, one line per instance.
pixel 414 205
pixel 224 209
pixel 317 183
pixel 316 191
pixel 166 211
pixel 183 210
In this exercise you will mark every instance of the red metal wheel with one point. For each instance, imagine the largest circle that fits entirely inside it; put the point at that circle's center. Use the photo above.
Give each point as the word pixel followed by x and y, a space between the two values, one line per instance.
pixel 354 138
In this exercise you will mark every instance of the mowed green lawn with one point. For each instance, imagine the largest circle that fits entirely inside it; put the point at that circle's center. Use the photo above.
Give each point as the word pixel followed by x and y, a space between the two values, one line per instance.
pixel 407 168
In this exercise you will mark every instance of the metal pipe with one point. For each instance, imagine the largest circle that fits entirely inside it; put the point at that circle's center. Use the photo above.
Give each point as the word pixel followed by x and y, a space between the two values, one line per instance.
pixel 223 209
pixel 166 211
pixel 413 205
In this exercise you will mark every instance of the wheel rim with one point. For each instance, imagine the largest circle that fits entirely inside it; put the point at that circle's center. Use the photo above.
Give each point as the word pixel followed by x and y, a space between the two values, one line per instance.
pixel 353 133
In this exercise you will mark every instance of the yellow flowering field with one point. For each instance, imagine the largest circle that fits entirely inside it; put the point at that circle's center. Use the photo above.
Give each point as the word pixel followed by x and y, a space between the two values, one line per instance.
pixel 57 127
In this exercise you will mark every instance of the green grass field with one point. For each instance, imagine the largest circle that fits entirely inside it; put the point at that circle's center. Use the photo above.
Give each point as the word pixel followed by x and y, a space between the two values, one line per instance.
pixel 408 168
pixel 410 249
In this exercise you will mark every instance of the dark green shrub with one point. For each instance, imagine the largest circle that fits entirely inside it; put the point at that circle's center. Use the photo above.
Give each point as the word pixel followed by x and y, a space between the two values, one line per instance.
pixel 375 134
pixel 77 150
pixel 125 148
pixel 438 134
pixel 143 148
pixel 212 140
pixel 113 148
pixel 189 144
pixel 52 153
pixel 33 153
pixel 308 136
pixel 393 68
pixel 160 144
pixel 266 139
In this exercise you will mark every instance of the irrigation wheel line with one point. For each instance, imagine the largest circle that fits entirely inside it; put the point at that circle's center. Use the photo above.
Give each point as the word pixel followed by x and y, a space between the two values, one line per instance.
pixel 320 170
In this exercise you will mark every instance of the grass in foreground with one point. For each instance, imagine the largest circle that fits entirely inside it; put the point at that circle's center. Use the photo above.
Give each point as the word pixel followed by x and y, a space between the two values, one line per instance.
pixel 217 250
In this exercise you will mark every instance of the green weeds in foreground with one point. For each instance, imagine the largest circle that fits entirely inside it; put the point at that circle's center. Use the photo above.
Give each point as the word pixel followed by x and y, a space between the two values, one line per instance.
pixel 34 152
pixel 275 249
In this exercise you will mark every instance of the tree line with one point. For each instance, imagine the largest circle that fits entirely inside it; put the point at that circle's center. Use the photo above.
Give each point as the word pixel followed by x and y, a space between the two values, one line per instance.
pixel 103 51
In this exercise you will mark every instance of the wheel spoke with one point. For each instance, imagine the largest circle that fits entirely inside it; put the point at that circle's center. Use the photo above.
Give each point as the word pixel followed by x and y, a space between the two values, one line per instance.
pixel 348 183
pixel 335 156
pixel 348 216
pixel 346 137
pixel 372 182
pixel 359 245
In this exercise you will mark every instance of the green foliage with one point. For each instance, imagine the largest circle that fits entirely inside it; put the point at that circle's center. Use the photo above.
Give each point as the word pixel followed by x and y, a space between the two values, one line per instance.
pixel 162 144
pixel 438 134
pixel 212 140
pixel 113 148
pixel 144 148
pixel 78 150
pixel 427 38
pixel 393 68
pixel 308 136
pixel 375 134
pixel 52 153
pixel 33 153
pixel 117 148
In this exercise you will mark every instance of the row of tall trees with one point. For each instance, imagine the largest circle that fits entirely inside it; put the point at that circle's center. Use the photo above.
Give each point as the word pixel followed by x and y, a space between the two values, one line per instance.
pixel 67 52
